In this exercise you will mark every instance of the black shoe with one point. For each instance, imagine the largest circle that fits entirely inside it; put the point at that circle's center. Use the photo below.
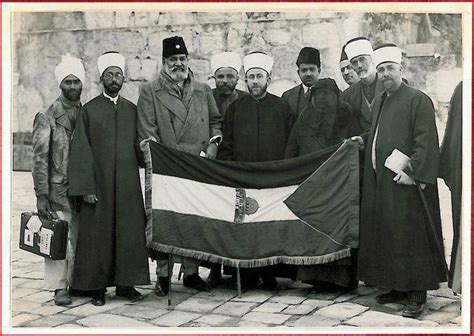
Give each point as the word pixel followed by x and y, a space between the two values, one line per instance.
pixel 98 298
pixel 194 281
pixel 128 292
pixel 413 309
pixel 162 286
pixel 61 297
pixel 393 296
pixel 215 277
pixel 269 283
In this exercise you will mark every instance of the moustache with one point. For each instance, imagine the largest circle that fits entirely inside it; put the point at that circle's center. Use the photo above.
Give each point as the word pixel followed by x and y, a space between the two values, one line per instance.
pixel 178 68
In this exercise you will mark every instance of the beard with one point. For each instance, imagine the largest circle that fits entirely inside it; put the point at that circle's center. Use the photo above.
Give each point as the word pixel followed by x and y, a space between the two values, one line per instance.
pixel 72 94
pixel 112 88
pixel 226 89
pixel 257 90
pixel 308 81
pixel 177 73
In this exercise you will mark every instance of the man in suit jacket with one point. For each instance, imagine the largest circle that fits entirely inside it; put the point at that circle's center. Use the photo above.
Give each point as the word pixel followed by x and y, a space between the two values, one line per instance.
pixel 309 69
pixel 181 113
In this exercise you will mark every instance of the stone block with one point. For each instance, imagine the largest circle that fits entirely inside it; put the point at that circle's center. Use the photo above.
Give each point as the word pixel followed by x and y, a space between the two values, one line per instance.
pixel 99 20
pixel 139 312
pixel 24 110
pixel 235 308
pixel 457 320
pixel 235 39
pixel 285 63
pixel 270 307
pixel 437 302
pixel 40 297
pixel 299 309
pixel 253 296
pixel 277 37
pixel 21 292
pixel 379 319
pixel 89 309
pixel 420 49
pixel 342 311
pixel 149 69
pixel 175 319
pixel 345 297
pixel 215 320
pixel 441 317
pixel 133 68
pixel 251 324
pixel 218 294
pixel 314 321
pixel 23 318
pixel 288 299
pixel 198 305
pixel 69 326
pixel 211 42
pixel 68 20
pixel 113 321
pixel 29 283
pixel 123 19
pixel 48 309
pixel 52 320
pixel 321 35
pixel 267 318
pixel 365 290
pixel 200 67
pixel 323 296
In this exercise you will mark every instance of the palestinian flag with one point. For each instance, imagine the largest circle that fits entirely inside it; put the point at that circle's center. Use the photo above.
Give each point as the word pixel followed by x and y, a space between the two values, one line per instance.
pixel 300 211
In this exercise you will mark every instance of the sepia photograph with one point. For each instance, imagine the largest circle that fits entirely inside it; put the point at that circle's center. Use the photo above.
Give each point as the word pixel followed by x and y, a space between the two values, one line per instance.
pixel 236 168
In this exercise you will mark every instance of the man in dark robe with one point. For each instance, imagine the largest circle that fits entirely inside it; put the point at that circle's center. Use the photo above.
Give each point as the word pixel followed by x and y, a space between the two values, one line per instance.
pixel 360 96
pixel 256 128
pixel 111 247
pixel 308 63
pixel 397 246
pixel 451 171
pixel 322 123
pixel 225 68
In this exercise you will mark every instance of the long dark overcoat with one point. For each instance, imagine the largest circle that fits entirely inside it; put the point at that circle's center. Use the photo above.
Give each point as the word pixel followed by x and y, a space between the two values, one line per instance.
pixel 397 249
pixel 111 242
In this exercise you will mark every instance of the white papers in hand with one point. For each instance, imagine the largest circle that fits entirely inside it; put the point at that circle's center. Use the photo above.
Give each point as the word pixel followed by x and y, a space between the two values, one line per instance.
pixel 397 161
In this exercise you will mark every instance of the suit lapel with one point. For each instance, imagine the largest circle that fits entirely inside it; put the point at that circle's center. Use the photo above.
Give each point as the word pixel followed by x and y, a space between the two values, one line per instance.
pixel 173 103
pixel 193 113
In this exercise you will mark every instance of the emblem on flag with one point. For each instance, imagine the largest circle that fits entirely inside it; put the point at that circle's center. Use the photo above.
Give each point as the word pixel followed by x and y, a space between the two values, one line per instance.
pixel 244 205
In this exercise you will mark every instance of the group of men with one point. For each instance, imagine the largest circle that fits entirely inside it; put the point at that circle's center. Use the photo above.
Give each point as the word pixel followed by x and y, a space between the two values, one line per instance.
pixel 86 163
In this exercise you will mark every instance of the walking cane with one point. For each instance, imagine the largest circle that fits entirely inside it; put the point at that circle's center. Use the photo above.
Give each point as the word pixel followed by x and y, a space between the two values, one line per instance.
pixel 432 226
pixel 169 279
pixel 239 286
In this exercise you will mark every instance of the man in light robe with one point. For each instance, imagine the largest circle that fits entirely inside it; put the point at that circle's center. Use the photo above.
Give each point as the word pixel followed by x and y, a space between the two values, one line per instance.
pixel 309 69
pixel 111 247
pixel 398 248
pixel 52 132
pixel 256 128
pixel 179 112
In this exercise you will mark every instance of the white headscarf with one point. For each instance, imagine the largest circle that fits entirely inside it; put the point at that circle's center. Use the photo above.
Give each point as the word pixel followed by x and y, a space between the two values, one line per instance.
pixel 110 59
pixel 258 60
pixel 70 66
pixel 226 59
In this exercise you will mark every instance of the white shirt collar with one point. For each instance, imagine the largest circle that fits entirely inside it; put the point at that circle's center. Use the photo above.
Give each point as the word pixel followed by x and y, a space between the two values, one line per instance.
pixel 112 99
pixel 305 88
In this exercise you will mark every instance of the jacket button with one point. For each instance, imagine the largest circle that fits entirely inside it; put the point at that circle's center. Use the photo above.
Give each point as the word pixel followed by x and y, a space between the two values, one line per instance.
pixel 203 142
pixel 202 119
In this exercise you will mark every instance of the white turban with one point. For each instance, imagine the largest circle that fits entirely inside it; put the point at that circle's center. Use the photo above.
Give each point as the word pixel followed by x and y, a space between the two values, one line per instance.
pixel 226 59
pixel 110 59
pixel 357 48
pixel 70 66
pixel 258 60
pixel 387 53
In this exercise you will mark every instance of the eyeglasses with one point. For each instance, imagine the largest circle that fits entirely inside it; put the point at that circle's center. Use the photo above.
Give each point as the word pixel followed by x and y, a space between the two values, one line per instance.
pixel 111 76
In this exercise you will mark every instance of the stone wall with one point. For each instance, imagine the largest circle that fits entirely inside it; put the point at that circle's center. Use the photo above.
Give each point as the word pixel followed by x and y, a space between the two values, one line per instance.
pixel 41 38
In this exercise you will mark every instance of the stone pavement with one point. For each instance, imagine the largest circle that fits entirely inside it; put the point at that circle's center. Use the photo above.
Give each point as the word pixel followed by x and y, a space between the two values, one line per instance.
pixel 292 305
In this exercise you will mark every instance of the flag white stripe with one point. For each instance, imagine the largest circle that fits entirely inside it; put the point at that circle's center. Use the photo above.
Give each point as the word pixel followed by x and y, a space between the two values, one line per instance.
pixel 212 201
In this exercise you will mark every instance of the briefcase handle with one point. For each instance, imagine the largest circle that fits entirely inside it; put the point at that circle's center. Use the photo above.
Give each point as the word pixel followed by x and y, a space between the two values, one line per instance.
pixel 49 217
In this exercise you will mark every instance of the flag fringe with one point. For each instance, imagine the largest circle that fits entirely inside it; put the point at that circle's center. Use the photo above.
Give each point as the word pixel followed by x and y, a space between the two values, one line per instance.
pixel 291 260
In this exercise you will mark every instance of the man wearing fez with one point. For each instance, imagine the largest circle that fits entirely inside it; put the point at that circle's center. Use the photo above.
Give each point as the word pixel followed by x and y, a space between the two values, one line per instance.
pixel 111 248
pixel 52 132
pixel 360 95
pixel 309 69
pixel 256 128
pixel 398 249
pixel 226 67
pixel 179 112
pixel 348 73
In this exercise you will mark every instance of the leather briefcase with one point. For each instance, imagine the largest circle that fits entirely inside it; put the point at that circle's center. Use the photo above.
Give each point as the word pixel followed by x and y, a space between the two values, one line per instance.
pixel 42 236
